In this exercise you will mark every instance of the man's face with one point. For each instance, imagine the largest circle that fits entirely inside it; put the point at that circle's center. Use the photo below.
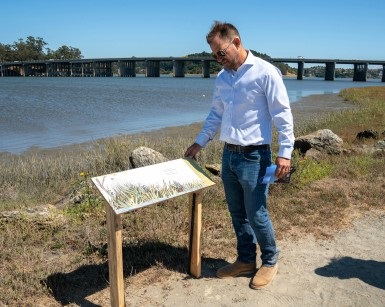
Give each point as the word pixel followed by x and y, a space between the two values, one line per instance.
pixel 224 52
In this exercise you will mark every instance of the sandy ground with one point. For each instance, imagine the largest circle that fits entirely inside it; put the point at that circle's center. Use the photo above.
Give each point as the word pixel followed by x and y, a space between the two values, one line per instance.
pixel 348 270
pixel 312 106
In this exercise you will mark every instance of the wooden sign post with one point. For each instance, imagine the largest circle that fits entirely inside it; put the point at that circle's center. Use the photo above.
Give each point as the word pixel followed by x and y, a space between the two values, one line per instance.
pixel 195 234
pixel 115 257
pixel 129 190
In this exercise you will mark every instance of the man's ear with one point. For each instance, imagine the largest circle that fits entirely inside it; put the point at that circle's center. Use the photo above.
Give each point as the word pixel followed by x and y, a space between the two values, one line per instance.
pixel 237 41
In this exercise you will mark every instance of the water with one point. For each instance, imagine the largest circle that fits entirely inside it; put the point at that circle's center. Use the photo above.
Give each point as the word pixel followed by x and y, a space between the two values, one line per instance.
pixel 52 112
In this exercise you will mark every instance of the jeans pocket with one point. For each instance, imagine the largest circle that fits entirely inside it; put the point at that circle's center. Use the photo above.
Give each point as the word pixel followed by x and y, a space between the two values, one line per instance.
pixel 253 156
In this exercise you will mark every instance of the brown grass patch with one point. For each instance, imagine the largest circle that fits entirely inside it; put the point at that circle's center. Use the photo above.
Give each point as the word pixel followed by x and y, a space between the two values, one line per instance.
pixel 65 263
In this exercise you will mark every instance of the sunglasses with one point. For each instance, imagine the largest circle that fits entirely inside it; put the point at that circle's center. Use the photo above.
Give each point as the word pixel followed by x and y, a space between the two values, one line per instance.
pixel 222 52
pixel 286 178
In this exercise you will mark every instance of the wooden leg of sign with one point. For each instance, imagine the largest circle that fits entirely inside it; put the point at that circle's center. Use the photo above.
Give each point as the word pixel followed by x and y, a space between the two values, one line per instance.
pixel 195 234
pixel 115 258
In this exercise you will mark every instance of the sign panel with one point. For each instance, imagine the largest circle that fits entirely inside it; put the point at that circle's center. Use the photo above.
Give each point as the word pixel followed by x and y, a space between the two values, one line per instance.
pixel 135 188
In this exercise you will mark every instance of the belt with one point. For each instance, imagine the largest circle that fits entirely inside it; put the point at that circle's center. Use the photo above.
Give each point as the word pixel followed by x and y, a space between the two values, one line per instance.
pixel 249 148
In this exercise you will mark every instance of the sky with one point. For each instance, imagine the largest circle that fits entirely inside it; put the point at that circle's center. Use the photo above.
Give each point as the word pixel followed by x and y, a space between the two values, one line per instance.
pixel 327 29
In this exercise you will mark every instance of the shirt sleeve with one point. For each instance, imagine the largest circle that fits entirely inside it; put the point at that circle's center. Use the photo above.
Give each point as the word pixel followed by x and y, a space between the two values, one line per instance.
pixel 280 111
pixel 213 121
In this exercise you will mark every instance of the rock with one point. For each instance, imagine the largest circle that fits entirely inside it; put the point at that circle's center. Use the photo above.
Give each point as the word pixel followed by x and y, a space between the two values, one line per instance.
pixel 380 145
pixel 378 149
pixel 367 134
pixel 144 156
pixel 315 154
pixel 44 215
pixel 361 150
pixel 323 140
pixel 214 169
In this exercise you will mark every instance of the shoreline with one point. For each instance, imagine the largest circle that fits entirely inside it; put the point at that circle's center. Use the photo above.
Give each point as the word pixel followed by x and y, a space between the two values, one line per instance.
pixel 304 109
pixel 315 105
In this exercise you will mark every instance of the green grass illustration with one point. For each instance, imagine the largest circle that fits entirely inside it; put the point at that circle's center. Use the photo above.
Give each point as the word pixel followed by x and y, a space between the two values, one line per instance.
pixel 131 195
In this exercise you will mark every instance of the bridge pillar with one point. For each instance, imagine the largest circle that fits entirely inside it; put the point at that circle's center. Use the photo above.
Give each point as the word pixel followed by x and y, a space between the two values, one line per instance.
pixel 383 73
pixel 152 68
pixel 98 69
pixel 64 69
pixel 107 69
pixel 60 69
pixel 28 70
pixel 102 69
pixel 330 70
pixel 22 70
pixel 300 70
pixel 44 70
pixel 37 69
pixel 206 69
pixel 11 71
pixel 178 68
pixel 127 68
pixel 76 69
pixel 52 72
pixel 87 69
pixel 360 71
pixel 19 69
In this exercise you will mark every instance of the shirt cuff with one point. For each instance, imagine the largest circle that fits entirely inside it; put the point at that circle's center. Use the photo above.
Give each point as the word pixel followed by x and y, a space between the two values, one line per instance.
pixel 285 152
pixel 202 140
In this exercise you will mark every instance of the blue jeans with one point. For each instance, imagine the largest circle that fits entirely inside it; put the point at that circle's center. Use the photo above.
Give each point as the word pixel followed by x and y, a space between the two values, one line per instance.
pixel 246 199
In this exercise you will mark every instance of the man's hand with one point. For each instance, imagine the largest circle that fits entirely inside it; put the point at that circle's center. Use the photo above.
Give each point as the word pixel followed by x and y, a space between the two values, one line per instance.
pixel 192 151
pixel 283 167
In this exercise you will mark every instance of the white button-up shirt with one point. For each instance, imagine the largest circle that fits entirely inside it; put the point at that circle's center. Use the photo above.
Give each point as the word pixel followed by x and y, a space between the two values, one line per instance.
pixel 246 103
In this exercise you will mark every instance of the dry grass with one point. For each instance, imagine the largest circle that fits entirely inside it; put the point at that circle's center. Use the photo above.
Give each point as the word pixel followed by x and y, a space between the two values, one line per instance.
pixel 62 260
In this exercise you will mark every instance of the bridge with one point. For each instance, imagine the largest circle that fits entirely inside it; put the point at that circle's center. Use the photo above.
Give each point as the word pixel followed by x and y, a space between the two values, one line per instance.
pixel 127 67
pixel 360 67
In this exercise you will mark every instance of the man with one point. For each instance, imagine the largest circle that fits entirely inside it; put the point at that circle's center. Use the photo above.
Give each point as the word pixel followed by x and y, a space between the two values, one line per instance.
pixel 249 97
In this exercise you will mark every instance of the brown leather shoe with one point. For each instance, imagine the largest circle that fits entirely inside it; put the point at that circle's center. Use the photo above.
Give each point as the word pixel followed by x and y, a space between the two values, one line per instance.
pixel 235 269
pixel 264 277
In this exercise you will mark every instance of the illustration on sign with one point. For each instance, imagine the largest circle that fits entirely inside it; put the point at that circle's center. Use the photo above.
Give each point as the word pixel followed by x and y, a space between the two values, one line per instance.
pixel 139 187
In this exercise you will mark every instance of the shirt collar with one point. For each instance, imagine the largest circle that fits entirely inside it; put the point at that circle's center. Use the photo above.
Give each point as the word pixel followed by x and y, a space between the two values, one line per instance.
pixel 248 62
pixel 249 59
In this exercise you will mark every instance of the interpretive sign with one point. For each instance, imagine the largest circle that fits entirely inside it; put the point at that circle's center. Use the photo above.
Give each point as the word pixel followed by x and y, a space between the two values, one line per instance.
pixel 139 187
pixel 132 189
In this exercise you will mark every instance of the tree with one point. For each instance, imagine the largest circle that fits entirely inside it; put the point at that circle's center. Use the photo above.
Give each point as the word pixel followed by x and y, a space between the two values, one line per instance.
pixel 35 49
pixel 65 53
pixel 31 49
pixel 5 53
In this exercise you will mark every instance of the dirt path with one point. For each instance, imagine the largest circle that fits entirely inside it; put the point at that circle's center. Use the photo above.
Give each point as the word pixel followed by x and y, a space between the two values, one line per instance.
pixel 348 270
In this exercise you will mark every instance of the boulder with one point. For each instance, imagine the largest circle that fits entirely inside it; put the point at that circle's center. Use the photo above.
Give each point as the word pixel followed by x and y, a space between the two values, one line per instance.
pixel 214 169
pixel 367 134
pixel 42 215
pixel 323 140
pixel 144 156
